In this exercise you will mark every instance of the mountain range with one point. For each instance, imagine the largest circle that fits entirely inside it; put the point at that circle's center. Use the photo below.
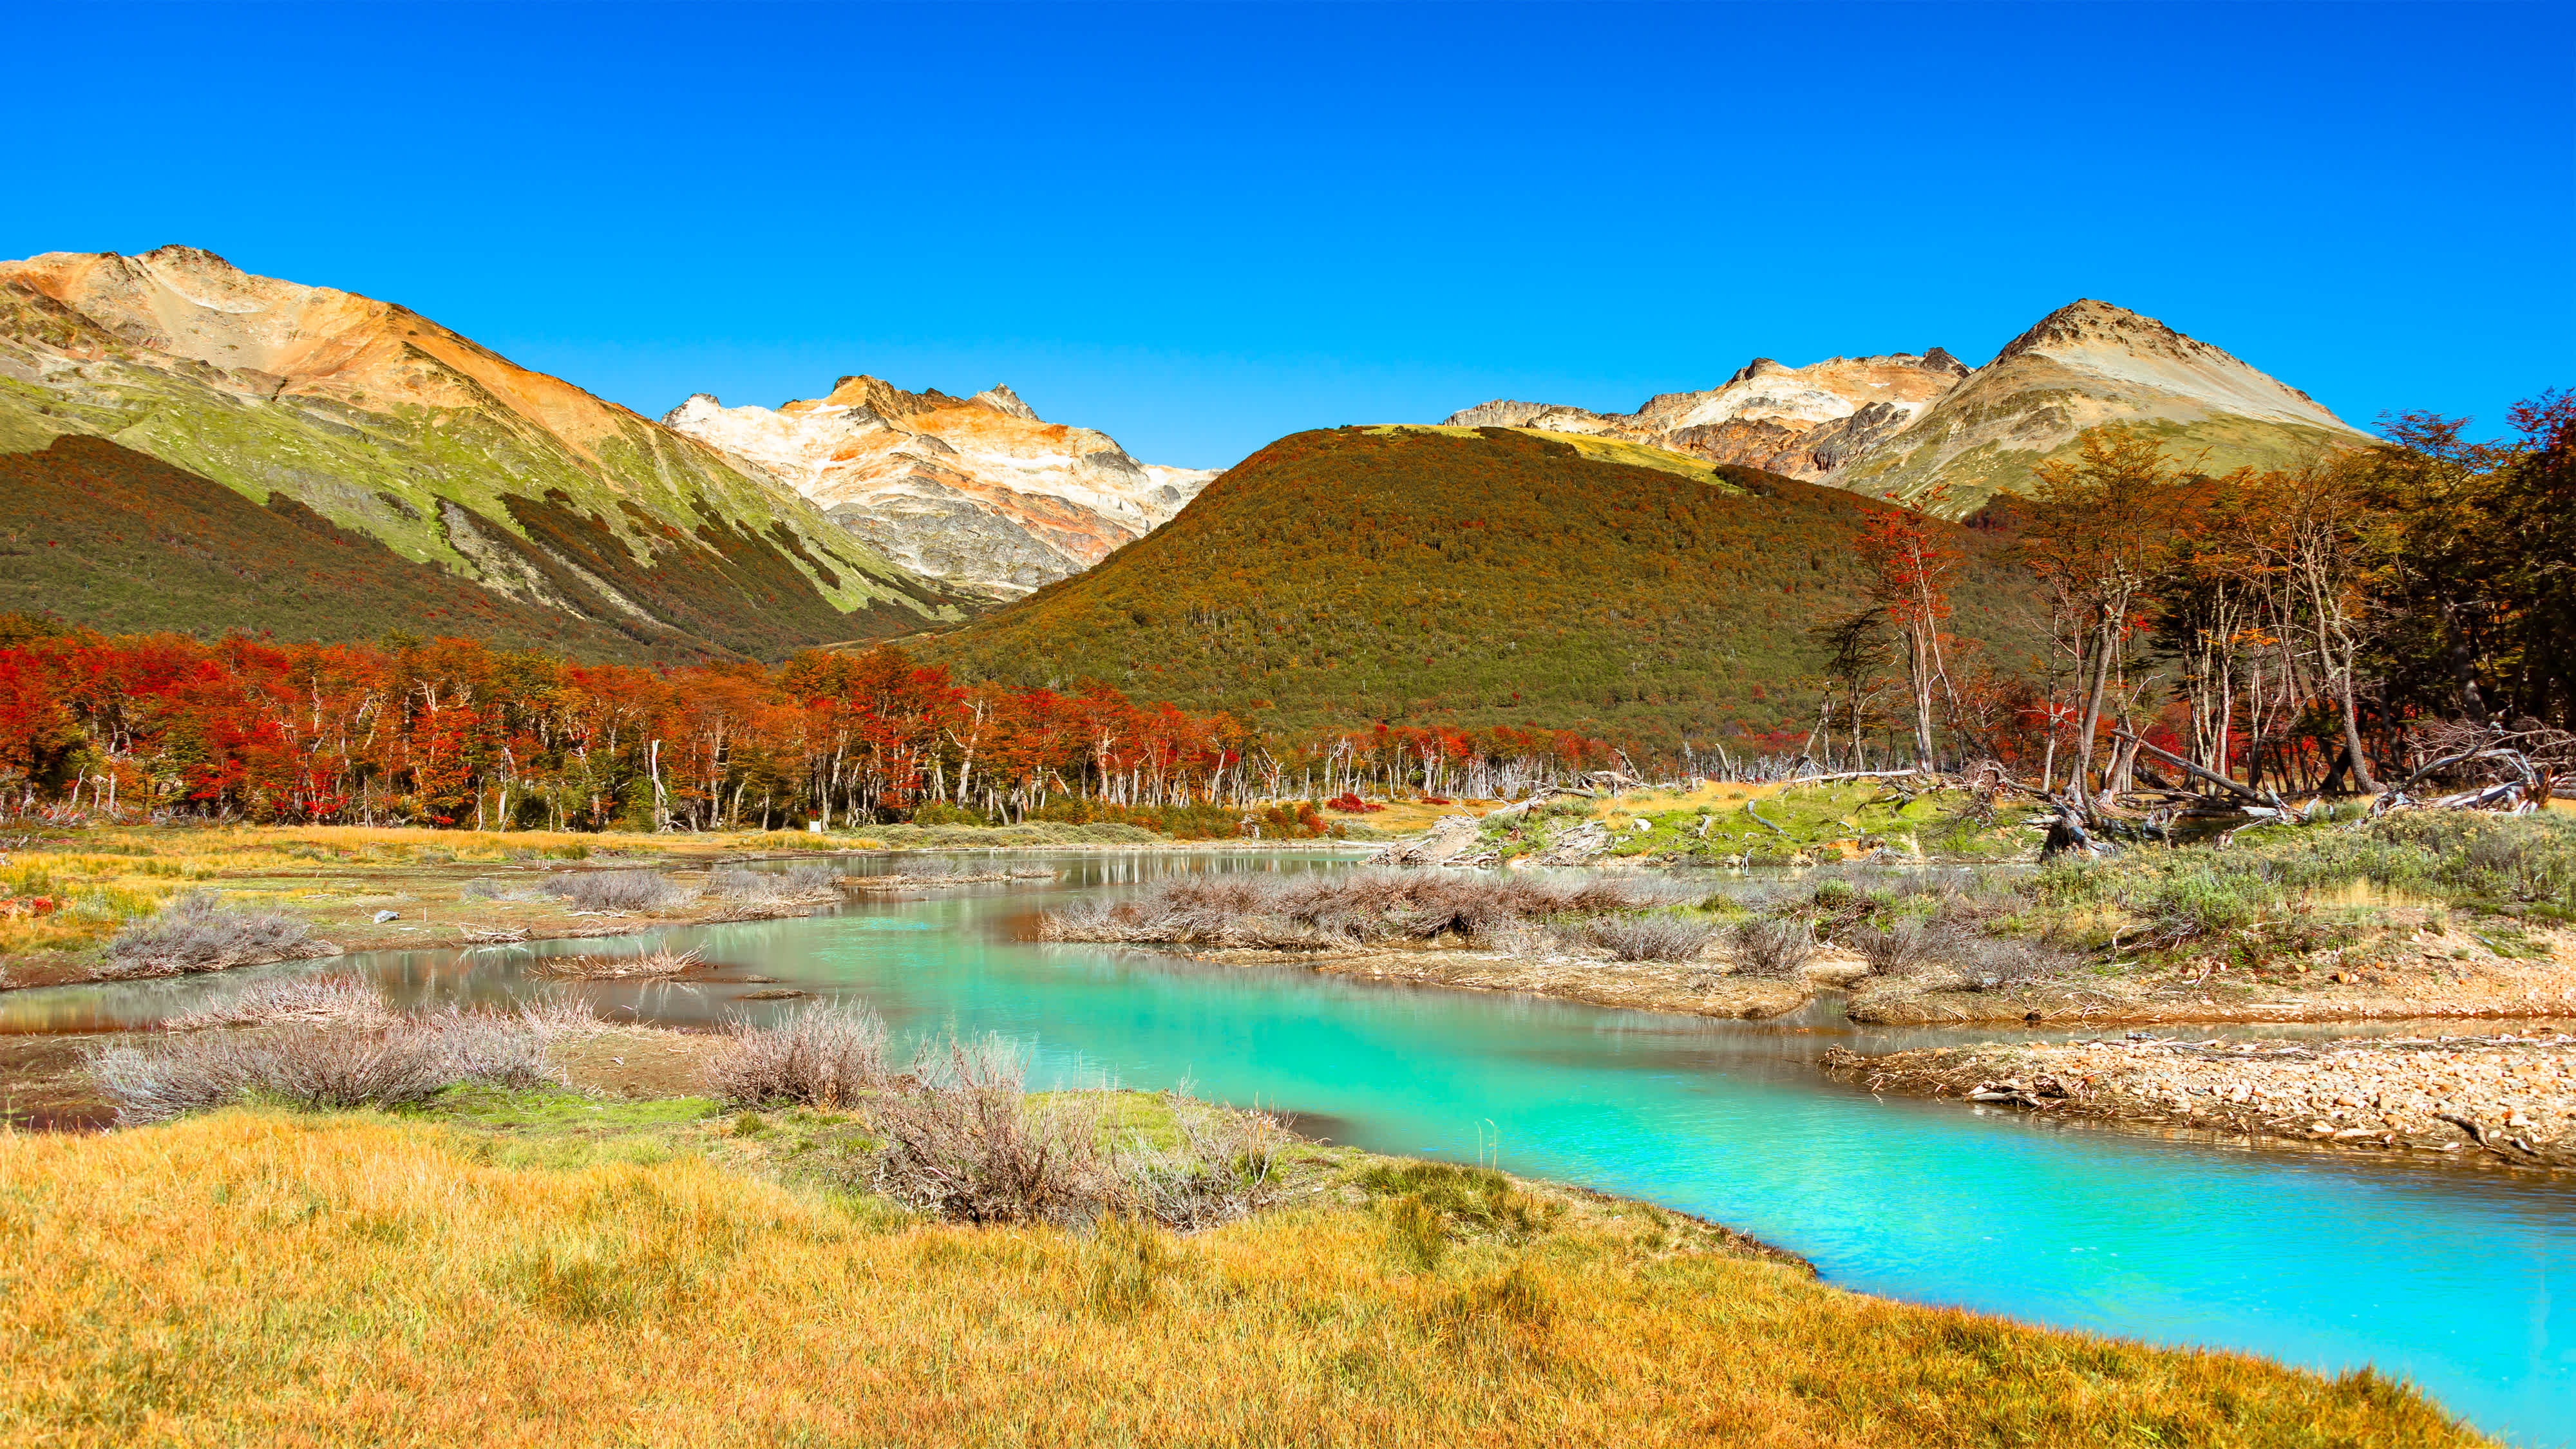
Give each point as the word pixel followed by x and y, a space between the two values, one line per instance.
pixel 977 492
pixel 1927 428
pixel 397 431
pixel 187 446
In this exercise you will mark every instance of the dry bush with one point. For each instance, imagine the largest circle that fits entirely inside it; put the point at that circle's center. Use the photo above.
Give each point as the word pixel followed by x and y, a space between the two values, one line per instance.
pixel 1768 946
pixel 560 1016
pixel 484 888
pixel 964 1141
pixel 344 999
pixel 195 932
pixel 1987 963
pixel 806 880
pixel 496 1050
pixel 404 1063
pixel 1358 906
pixel 812 878
pixel 822 1055
pixel 1225 1166
pixel 661 961
pixel 1898 948
pixel 1649 938
pixel 620 890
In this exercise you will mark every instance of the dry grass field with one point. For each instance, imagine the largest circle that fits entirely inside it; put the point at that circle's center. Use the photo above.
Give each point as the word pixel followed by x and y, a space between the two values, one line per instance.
pixel 257 1277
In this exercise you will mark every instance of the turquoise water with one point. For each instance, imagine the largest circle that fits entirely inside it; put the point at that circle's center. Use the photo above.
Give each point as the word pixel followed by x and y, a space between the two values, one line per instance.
pixel 2459 1281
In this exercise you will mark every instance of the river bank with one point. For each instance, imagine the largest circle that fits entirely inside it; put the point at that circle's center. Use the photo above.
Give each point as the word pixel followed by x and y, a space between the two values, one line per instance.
pixel 613 1263
pixel 2479 1101
pixel 65 894
pixel 1683 988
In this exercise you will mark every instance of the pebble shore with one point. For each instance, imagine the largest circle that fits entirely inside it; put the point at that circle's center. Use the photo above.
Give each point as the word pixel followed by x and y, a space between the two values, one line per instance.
pixel 2507 1097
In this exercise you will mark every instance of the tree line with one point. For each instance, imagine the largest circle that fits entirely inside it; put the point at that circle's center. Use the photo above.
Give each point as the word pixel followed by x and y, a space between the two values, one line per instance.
pixel 452 732
pixel 2328 627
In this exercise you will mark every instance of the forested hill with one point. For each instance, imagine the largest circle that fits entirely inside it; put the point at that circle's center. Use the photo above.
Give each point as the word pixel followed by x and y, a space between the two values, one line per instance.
pixel 1476 577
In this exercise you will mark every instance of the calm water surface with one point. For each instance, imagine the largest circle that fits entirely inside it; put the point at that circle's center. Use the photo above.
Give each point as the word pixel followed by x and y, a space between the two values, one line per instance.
pixel 2460 1281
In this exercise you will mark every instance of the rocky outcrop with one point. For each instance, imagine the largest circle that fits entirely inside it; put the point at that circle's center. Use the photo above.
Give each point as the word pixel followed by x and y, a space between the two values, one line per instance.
pixel 978 492
pixel 1928 429
pixel 1769 416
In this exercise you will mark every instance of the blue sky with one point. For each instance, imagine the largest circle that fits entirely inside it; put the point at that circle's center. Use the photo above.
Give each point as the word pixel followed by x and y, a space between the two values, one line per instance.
pixel 1201 226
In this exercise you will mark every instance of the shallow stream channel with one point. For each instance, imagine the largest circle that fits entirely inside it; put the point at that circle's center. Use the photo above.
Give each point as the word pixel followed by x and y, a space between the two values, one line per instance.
pixel 2462 1281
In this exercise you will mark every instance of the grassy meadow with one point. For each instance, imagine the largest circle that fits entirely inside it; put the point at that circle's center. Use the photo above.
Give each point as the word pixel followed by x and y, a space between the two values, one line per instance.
pixel 548 1269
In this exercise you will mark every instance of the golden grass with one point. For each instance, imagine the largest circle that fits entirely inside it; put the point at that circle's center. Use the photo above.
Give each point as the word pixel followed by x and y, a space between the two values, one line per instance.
pixel 264 1279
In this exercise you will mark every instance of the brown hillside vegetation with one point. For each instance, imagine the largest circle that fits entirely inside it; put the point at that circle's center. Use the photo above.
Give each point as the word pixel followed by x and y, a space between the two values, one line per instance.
pixel 98 534
pixel 1486 577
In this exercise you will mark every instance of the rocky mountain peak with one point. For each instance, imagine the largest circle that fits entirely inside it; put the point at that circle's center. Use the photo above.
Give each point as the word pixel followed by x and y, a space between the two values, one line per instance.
pixel 1001 399
pixel 2086 322
pixel 978 491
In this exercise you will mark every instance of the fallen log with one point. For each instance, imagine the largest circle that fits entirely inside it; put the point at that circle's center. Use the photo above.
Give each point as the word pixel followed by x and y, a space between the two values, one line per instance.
pixel 2264 797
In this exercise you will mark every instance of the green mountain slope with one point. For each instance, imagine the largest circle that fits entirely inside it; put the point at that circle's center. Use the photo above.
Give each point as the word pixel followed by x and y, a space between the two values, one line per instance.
pixel 396 429
pixel 103 535
pixel 1470 576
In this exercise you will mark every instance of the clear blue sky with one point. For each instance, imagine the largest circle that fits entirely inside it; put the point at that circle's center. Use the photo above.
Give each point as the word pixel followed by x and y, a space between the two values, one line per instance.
pixel 1201 226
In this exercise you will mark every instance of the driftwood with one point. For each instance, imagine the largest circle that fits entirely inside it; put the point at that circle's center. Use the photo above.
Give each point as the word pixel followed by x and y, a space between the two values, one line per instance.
pixel 2264 798
pixel 2066 833
pixel 493 935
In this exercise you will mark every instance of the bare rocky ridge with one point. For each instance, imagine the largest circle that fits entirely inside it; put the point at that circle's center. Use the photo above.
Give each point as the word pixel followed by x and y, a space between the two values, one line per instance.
pixel 979 492
pixel 1927 427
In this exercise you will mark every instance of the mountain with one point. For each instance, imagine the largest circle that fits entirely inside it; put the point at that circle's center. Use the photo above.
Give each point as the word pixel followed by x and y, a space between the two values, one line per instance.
pixel 978 492
pixel 99 534
pixel 2083 365
pixel 1797 421
pixel 1902 425
pixel 1476 577
pixel 387 427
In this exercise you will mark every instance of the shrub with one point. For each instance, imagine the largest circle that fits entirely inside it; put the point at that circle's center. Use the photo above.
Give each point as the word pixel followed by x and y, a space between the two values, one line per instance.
pixel 1768 946
pixel 619 890
pixel 499 1051
pixel 821 1055
pixel 1358 905
pixel 1349 803
pixel 939 812
pixel 962 1140
pixel 195 932
pixel 1224 1166
pixel 661 962
pixel 403 1064
pixel 296 998
pixel 1649 938
pixel 1894 949
pixel 1985 963
pixel 966 1143
pixel 805 880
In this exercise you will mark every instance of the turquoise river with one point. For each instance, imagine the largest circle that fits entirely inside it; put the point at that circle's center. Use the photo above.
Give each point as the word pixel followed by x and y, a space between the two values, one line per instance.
pixel 2448 1277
